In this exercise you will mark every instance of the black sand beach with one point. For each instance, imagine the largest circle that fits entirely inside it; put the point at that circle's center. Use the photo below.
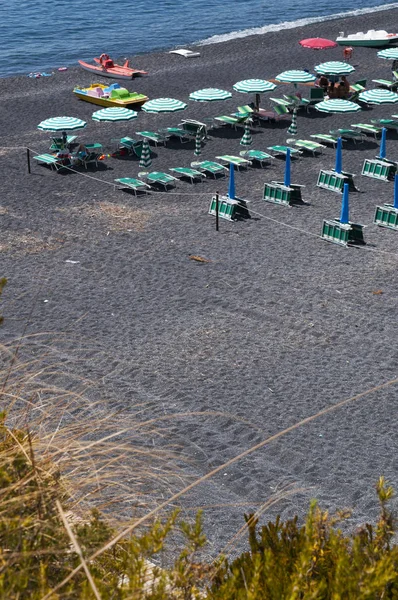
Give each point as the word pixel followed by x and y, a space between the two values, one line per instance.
pixel 278 325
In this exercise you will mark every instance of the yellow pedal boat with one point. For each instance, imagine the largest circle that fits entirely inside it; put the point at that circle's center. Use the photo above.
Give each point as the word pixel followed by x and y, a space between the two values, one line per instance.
pixel 110 95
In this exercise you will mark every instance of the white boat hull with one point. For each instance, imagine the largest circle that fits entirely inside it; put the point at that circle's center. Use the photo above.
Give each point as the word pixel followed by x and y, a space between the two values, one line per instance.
pixel 372 38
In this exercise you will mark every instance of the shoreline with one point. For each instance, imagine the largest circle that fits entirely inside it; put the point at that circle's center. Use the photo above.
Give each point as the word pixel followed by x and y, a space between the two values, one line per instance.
pixel 242 34
pixel 276 326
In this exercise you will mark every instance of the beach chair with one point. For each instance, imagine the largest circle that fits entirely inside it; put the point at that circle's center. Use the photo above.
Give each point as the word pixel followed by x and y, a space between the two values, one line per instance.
pixel 245 110
pixel 160 178
pixel 191 126
pixel 348 134
pixel 316 95
pixel 233 120
pixel 308 145
pixel 276 114
pixel 282 151
pixel 208 166
pixel 358 86
pixel 367 128
pixel 385 83
pixel 52 161
pixel 177 132
pixel 237 161
pixel 387 123
pixel 57 143
pixel 297 102
pixel 132 146
pixel 153 136
pixel 257 155
pixel 133 184
pixel 326 138
pixel 94 151
pixel 191 174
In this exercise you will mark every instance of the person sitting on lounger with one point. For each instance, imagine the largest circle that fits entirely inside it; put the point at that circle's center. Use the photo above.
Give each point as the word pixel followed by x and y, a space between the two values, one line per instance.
pixel 323 82
pixel 80 153
pixel 332 91
pixel 341 91
pixel 346 84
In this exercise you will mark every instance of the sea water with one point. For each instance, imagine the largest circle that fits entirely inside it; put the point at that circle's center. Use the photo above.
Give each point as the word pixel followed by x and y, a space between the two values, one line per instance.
pixel 41 35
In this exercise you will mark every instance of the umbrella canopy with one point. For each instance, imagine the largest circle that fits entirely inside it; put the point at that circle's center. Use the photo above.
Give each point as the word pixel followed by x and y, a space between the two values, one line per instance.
pixel 114 113
pixel 293 127
pixel 295 76
pixel 378 96
pixel 163 105
pixel 388 54
pixel 61 124
pixel 209 95
pixel 145 160
pixel 317 43
pixel 254 86
pixel 334 67
pixel 337 106
pixel 247 139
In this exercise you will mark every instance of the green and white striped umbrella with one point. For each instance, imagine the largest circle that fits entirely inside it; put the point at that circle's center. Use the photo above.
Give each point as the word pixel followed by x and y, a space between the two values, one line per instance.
pixel 388 54
pixel 198 142
pixel 295 76
pixel 61 124
pixel 209 95
pixel 254 86
pixel 163 105
pixel 114 113
pixel 334 67
pixel 337 106
pixel 378 96
pixel 247 139
pixel 145 160
pixel 293 127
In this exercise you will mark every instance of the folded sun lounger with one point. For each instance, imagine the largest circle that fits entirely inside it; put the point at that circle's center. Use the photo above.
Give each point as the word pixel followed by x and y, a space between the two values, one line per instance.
pixel 238 161
pixel 192 174
pixel 208 166
pixel 134 184
pixel 257 155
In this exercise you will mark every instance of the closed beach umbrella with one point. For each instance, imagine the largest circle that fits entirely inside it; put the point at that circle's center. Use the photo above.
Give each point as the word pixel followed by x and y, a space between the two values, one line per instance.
pixel 286 180
pixel 61 124
pixel 114 113
pixel 163 105
pixel 247 139
pixel 317 43
pixel 210 95
pixel 337 106
pixel 388 54
pixel 254 86
pixel 334 67
pixel 378 96
pixel 344 215
pixel 295 77
pixel 198 143
pixel 293 127
pixel 339 156
pixel 231 186
pixel 383 143
pixel 145 160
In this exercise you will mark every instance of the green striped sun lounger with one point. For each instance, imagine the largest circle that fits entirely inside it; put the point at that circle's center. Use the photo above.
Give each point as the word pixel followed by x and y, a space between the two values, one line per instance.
pixel 57 143
pixel 387 123
pixel 153 136
pixel 282 150
pixel 133 184
pixel 257 155
pixel 326 138
pixel 192 174
pixel 178 132
pixel 231 120
pixel 367 128
pixel 385 83
pixel 349 134
pixel 208 166
pixel 238 161
pixel 160 178
pixel 52 161
pixel 309 146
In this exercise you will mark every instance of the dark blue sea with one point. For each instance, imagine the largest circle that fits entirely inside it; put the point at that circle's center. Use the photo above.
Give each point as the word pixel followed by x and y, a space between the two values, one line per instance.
pixel 41 35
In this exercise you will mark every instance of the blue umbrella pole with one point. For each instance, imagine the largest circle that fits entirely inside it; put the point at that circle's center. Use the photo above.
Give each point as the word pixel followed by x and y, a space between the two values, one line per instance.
pixel 344 216
pixel 396 192
pixel 339 156
pixel 231 188
pixel 383 143
pixel 286 180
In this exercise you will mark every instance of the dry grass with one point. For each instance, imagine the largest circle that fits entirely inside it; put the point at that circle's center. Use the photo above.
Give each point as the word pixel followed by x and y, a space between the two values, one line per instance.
pixel 115 217
pixel 27 243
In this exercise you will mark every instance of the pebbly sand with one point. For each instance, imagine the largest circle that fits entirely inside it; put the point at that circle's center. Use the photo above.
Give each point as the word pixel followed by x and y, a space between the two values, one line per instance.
pixel 275 327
